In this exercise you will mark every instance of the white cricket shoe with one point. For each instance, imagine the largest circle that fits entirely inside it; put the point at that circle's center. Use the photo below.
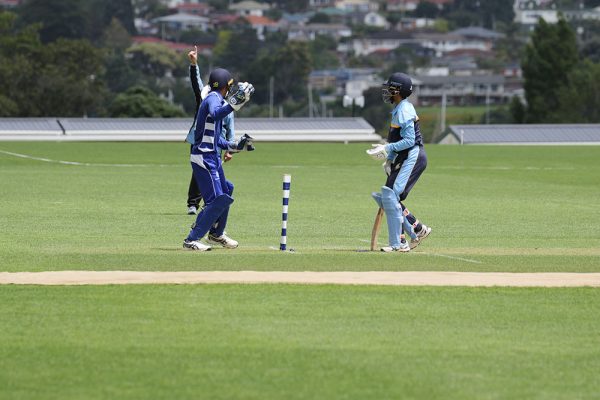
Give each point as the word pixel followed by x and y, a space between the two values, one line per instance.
pixel 423 233
pixel 192 210
pixel 403 248
pixel 222 240
pixel 195 245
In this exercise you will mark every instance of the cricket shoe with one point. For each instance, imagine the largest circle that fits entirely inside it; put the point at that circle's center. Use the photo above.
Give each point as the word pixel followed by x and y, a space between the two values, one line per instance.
pixel 192 210
pixel 222 240
pixel 195 245
pixel 403 248
pixel 423 233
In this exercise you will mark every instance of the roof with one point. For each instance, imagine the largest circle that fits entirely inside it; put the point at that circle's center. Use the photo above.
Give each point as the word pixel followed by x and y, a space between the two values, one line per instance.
pixel 182 17
pixel 256 20
pixel 248 5
pixel 478 32
pixel 175 129
pixel 451 79
pixel 527 134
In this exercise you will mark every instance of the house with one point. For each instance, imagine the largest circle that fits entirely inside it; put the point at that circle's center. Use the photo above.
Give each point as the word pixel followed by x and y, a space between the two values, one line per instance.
pixel 182 22
pixel 413 24
pixel 463 90
pixel 357 5
pixel 387 40
pixel 261 25
pixel 376 20
pixel 529 12
pixel 320 3
pixel 9 3
pixel 202 9
pixel 411 5
pixel 249 7
pixel 311 31
pixel 345 80
pixel 449 42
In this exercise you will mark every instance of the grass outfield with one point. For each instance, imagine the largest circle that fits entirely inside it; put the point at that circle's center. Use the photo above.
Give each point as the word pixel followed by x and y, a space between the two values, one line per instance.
pixel 298 342
pixel 491 208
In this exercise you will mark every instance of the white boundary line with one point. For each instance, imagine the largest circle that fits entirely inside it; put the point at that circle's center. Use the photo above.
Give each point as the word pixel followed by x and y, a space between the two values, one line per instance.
pixel 81 164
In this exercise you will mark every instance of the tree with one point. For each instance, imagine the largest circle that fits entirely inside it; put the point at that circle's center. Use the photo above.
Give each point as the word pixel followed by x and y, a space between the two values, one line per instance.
pixel 68 86
pixel 289 66
pixel 319 18
pixel 235 50
pixel 579 101
pixel 549 58
pixel 322 51
pixel 153 59
pixel 139 101
pixel 47 80
pixel 426 9
pixel 59 18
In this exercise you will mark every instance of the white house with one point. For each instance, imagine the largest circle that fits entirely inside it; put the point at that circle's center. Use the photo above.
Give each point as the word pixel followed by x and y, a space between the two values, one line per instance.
pixel 377 20
pixel 357 5
pixel 379 41
pixel 311 31
pixel 183 21
pixel 249 7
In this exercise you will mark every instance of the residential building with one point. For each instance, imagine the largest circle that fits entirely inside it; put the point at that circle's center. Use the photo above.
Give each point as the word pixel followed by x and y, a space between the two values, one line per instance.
pixel 205 49
pixel 357 5
pixel 311 31
pixel 181 22
pixel 321 3
pixel 261 25
pixel 9 3
pixel 411 5
pixel 388 40
pixel 202 9
pixel 464 90
pixel 249 7
pixel 529 12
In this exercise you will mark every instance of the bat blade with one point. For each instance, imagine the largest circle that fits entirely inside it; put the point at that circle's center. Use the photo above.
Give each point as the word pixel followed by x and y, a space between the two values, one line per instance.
pixel 375 231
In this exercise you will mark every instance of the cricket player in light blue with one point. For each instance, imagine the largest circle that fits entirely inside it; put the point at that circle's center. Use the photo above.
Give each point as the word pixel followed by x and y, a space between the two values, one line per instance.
pixel 228 133
pixel 405 161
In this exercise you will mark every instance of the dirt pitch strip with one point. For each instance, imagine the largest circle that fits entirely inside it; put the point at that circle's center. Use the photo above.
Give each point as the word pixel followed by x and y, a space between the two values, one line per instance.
pixel 412 278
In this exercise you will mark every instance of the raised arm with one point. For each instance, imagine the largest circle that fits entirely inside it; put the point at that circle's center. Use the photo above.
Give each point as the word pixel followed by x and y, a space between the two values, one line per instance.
pixel 195 79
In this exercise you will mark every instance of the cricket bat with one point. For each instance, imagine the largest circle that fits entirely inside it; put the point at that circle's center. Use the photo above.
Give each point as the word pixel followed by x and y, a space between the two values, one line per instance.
pixel 375 231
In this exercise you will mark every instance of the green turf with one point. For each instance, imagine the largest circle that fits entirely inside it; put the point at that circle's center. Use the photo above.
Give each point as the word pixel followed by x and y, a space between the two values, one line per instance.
pixel 491 208
pixel 298 342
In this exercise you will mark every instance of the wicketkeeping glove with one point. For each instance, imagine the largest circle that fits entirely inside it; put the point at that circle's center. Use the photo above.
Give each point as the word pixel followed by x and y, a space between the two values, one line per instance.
pixel 377 152
pixel 245 143
pixel 241 95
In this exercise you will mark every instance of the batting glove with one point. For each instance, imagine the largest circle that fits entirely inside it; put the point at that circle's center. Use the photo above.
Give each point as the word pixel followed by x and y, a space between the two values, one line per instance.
pixel 387 167
pixel 377 152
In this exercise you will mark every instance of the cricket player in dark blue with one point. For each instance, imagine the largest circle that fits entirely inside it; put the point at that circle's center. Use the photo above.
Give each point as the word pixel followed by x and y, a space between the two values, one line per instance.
pixel 405 162
pixel 206 161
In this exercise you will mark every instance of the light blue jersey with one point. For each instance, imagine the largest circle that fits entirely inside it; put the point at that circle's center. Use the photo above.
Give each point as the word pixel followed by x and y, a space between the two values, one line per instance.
pixel 403 134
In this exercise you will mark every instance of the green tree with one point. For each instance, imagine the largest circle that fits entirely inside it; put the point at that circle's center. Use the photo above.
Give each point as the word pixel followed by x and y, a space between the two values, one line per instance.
pixel 59 18
pixel 63 78
pixel 235 49
pixel 549 58
pixel 579 101
pixel 319 18
pixel 139 102
pixel 70 86
pixel 426 9
pixel 323 53
pixel 289 66
pixel 152 59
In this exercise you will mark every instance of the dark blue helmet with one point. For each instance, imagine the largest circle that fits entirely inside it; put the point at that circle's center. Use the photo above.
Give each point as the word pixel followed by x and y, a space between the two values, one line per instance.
pixel 220 78
pixel 398 83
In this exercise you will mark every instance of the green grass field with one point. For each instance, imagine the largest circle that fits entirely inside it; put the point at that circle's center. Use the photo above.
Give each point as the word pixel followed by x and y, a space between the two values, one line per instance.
pixel 491 208
pixel 517 209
